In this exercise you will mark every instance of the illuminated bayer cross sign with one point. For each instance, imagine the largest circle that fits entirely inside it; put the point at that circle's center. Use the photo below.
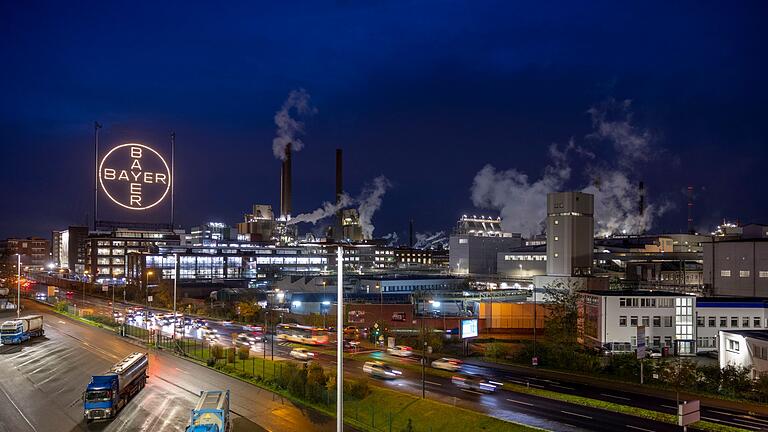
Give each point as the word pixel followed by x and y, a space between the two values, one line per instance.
pixel 134 176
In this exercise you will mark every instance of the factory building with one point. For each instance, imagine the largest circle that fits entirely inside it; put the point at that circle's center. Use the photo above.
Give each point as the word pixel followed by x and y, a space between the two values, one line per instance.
pixel 475 244
pixel 68 248
pixel 387 284
pixel 524 262
pixel 259 225
pixel 211 233
pixel 570 233
pixel 736 267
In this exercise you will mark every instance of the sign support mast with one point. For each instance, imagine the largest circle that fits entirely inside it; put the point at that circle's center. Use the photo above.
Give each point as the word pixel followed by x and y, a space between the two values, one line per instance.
pixel 340 340
pixel 96 127
pixel 173 173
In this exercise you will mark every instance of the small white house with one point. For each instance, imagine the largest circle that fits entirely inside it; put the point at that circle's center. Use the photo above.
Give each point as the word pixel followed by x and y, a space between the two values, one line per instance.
pixel 744 348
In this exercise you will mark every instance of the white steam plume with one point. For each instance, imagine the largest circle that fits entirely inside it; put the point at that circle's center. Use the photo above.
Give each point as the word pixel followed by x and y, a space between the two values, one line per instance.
pixel 616 195
pixel 392 239
pixel 522 203
pixel 288 128
pixel 370 202
pixel 328 209
pixel 429 240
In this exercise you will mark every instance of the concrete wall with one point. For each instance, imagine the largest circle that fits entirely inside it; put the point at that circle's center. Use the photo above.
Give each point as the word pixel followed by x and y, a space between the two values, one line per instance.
pixel 732 268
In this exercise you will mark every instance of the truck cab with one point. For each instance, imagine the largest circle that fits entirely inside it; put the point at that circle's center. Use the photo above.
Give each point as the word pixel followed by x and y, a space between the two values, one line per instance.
pixel 100 399
pixel 21 329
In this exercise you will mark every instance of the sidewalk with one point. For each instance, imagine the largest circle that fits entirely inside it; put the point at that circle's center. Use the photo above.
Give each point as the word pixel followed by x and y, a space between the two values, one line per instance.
pixel 624 386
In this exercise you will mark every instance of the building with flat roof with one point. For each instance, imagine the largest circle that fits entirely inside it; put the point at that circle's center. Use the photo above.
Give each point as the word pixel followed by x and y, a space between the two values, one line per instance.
pixel 610 320
pixel 744 349
pixel 68 248
pixel 736 267
pixel 35 251
pixel 570 233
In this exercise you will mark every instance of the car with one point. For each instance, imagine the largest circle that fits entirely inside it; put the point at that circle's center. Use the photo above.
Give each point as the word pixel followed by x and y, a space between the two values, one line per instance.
pixel 378 369
pixel 474 383
pixel 207 329
pixel 400 351
pixel 302 354
pixel 252 328
pixel 351 344
pixel 351 330
pixel 653 353
pixel 449 364
pixel 243 340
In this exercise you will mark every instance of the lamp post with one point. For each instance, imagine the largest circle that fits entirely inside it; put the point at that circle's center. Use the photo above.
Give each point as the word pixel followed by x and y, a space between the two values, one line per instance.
pixel 84 282
pixel 175 279
pixel 146 297
pixel 339 341
pixel 18 285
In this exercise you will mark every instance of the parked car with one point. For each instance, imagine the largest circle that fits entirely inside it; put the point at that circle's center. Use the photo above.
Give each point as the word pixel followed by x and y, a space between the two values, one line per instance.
pixel 244 340
pixel 449 364
pixel 302 354
pixel 474 383
pixel 400 351
pixel 380 370
pixel 653 353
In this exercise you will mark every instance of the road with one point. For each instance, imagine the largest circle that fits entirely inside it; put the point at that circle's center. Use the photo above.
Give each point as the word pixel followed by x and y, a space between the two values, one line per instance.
pixel 41 383
pixel 525 409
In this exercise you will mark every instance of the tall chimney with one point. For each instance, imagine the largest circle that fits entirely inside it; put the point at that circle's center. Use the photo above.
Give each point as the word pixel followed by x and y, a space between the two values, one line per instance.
pixel 690 210
pixel 285 180
pixel 641 190
pixel 339 176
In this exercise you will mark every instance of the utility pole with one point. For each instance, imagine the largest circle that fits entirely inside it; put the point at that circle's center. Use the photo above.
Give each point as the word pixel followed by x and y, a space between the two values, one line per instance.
pixel 18 285
pixel 423 360
pixel 175 279
pixel 340 340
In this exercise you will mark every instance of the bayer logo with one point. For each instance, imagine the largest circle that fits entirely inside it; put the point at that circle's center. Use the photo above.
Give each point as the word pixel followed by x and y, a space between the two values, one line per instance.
pixel 134 176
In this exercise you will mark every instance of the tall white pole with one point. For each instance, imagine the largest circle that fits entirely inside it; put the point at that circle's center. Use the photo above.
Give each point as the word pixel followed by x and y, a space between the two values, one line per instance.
pixel 340 341
pixel 175 278
pixel 18 286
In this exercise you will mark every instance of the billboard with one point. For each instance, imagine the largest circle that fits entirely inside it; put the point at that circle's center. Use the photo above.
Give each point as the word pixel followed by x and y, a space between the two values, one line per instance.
pixel 469 328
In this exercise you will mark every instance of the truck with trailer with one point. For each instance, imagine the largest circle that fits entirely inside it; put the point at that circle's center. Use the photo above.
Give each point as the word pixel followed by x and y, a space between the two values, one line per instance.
pixel 21 329
pixel 211 414
pixel 106 394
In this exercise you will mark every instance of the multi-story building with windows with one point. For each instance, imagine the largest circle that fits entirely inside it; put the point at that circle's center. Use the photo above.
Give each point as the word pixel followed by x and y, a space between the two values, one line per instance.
pixel 736 267
pixel 715 314
pixel 34 251
pixel 610 320
pixel 107 251
pixel 68 248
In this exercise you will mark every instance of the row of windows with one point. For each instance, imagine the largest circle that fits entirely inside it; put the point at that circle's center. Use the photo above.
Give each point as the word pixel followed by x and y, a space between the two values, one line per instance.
pixel 525 257
pixel 646 302
pixel 744 273
pixel 645 321
pixel 723 322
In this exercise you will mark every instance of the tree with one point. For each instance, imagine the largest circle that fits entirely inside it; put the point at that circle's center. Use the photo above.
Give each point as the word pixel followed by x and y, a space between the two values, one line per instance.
pixel 562 308
pixel 679 374
pixel 248 312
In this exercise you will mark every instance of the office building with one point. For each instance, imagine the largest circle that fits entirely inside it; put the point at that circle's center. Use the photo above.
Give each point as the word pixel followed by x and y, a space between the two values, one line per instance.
pixel 68 248
pixel 35 251
pixel 107 249
pixel 744 349
pixel 211 233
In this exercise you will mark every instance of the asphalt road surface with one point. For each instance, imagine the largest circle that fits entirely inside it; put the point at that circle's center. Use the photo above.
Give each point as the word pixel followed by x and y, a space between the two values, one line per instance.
pixel 42 380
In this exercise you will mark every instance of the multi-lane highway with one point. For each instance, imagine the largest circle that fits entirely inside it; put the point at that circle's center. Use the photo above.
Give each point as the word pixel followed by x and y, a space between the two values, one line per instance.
pixel 541 412
pixel 41 383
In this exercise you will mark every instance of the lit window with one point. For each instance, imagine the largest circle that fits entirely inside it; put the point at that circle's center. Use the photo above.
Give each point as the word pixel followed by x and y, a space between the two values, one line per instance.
pixel 557 238
pixel 763 274
pixel 725 273
pixel 743 273
pixel 557 254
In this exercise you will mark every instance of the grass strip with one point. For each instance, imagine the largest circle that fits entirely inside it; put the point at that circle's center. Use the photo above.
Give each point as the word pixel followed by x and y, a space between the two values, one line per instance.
pixel 618 408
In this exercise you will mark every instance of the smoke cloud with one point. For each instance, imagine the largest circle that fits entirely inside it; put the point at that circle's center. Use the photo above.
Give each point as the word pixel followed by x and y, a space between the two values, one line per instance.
pixel 429 240
pixel 392 239
pixel 370 201
pixel 288 128
pixel 521 201
pixel 328 209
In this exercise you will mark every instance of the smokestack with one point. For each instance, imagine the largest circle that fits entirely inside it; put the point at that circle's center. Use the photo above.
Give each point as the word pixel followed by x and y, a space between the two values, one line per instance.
pixel 339 177
pixel 410 234
pixel 690 210
pixel 641 190
pixel 285 180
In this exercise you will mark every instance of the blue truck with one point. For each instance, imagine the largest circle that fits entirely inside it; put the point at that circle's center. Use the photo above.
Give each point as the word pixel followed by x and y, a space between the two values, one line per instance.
pixel 107 394
pixel 21 329
pixel 211 414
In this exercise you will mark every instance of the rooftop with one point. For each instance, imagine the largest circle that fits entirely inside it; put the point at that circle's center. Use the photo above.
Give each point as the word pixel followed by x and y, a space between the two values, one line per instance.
pixel 755 334
pixel 637 293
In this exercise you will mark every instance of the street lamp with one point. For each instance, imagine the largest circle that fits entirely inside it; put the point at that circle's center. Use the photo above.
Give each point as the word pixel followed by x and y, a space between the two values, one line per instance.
pixel 18 286
pixel 84 282
pixel 146 297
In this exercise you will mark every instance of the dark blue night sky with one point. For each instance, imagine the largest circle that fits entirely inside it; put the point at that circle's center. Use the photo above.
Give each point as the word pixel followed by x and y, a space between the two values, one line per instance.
pixel 425 93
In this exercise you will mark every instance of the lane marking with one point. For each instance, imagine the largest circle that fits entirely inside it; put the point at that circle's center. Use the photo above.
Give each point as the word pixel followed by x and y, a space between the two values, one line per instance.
pixel 670 407
pixel 17 409
pixel 563 387
pixel 576 414
pixel 638 428
pixel 730 423
pixel 471 391
pixel 615 397
pixel 520 402
pixel 433 383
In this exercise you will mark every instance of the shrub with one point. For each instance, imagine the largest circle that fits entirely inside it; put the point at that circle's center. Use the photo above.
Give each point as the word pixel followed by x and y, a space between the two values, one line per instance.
pixel 243 353
pixel 217 351
pixel 497 350
pixel 61 306
pixel 211 361
pixel 230 355
pixel 358 389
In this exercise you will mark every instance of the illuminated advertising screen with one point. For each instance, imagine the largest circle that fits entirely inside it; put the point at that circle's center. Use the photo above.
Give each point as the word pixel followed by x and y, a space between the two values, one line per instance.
pixel 468 328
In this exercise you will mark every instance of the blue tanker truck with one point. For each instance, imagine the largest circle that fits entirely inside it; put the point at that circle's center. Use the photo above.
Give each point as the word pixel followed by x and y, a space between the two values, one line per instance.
pixel 211 414
pixel 21 329
pixel 107 394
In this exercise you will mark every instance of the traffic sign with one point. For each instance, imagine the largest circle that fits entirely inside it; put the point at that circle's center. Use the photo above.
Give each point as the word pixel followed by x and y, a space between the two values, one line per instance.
pixel 535 361
pixel 688 412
